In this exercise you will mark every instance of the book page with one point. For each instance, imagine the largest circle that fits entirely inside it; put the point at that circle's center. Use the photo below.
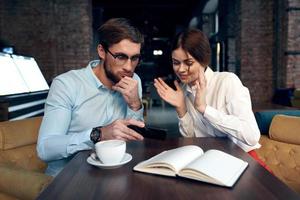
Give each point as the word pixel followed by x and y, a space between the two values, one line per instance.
pixel 11 81
pixel 170 162
pixel 31 73
pixel 215 167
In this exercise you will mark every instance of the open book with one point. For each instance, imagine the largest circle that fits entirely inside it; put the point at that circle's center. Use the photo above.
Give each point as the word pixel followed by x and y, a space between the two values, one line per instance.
pixel 190 161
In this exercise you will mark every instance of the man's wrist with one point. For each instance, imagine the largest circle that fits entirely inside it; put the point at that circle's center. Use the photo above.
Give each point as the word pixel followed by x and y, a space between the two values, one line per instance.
pixel 136 106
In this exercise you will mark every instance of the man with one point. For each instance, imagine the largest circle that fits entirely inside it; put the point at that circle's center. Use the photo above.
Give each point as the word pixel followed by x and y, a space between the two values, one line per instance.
pixel 97 102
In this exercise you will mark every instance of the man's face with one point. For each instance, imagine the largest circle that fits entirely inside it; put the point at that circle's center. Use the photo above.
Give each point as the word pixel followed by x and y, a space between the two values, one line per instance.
pixel 116 63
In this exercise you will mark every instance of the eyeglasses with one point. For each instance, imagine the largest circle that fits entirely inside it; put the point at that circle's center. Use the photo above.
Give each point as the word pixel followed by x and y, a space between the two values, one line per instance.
pixel 121 58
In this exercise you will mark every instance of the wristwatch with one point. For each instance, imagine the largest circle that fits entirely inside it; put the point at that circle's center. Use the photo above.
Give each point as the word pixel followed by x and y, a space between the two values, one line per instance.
pixel 96 134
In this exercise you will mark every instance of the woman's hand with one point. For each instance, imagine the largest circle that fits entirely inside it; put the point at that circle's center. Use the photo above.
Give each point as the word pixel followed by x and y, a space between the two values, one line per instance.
pixel 173 97
pixel 200 102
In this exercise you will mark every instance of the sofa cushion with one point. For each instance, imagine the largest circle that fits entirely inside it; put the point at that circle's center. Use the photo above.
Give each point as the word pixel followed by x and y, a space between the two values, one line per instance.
pixel 4 196
pixel 23 157
pixel 21 183
pixel 19 133
pixel 264 118
pixel 285 129
pixel 283 159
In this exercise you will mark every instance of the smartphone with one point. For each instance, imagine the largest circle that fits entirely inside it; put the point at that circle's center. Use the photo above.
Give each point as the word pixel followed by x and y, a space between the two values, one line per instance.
pixel 170 82
pixel 150 132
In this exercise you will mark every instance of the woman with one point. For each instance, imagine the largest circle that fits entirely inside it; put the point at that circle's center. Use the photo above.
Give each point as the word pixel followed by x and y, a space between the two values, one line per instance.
pixel 208 104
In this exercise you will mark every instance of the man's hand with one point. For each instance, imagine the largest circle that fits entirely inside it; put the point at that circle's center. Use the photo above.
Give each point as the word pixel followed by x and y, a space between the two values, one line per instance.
pixel 128 87
pixel 119 130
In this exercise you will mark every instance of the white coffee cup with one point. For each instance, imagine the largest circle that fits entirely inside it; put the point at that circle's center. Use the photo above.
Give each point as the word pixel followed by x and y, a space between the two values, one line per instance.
pixel 110 151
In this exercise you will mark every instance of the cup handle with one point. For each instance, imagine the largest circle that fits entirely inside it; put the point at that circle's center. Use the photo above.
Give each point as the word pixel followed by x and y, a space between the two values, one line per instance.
pixel 94 157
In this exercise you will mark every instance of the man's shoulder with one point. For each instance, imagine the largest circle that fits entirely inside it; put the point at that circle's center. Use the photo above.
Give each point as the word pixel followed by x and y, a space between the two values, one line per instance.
pixel 136 77
pixel 71 76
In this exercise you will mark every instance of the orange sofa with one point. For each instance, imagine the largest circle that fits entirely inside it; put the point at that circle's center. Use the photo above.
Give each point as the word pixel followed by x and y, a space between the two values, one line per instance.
pixel 280 142
pixel 21 171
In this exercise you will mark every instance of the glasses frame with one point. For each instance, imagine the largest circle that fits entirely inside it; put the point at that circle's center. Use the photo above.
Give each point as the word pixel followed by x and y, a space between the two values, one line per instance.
pixel 130 58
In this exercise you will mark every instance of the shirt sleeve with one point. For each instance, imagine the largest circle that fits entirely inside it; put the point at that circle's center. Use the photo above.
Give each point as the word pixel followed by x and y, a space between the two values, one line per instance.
pixel 239 121
pixel 138 115
pixel 186 126
pixel 54 141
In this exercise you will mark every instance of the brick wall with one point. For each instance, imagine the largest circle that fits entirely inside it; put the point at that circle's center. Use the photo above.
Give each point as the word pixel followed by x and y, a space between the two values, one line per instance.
pixel 256 48
pixel 263 45
pixel 57 33
pixel 292 51
pixel 232 34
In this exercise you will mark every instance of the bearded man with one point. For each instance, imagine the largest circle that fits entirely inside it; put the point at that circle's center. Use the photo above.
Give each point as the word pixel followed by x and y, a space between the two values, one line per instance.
pixel 95 103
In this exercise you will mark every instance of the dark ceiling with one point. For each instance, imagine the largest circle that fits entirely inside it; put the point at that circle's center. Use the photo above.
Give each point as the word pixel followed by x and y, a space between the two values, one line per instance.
pixel 156 18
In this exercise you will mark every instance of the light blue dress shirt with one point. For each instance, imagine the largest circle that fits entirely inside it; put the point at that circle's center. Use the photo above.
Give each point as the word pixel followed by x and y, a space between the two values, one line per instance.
pixel 77 102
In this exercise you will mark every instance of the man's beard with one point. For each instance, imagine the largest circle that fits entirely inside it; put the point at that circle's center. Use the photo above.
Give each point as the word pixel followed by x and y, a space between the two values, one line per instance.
pixel 110 75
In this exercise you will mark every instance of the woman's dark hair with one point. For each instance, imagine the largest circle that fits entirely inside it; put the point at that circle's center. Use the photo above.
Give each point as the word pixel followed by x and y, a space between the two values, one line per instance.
pixel 195 43
pixel 117 29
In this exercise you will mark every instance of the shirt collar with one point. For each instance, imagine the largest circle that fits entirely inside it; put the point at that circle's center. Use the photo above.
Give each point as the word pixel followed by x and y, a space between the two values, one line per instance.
pixel 91 73
pixel 208 75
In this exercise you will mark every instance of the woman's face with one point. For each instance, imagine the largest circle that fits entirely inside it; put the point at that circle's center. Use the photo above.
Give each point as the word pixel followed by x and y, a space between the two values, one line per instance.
pixel 185 66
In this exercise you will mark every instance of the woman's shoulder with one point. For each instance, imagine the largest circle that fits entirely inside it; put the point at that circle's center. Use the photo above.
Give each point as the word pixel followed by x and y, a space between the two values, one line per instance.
pixel 228 77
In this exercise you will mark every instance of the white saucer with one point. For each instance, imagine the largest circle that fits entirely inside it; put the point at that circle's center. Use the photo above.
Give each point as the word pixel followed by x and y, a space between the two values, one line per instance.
pixel 93 160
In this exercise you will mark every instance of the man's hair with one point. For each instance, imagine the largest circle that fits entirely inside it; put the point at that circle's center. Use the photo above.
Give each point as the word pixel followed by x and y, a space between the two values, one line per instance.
pixel 117 29
pixel 195 43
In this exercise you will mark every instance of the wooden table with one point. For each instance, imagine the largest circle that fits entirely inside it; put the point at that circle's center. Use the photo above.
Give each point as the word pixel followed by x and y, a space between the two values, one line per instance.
pixel 79 180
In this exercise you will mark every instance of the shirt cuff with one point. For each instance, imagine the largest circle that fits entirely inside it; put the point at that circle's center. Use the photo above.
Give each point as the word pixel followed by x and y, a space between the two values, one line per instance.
pixel 80 142
pixel 212 114
pixel 185 120
pixel 87 135
pixel 138 115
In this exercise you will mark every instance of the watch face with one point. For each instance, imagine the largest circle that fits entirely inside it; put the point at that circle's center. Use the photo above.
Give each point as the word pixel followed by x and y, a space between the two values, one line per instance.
pixel 95 135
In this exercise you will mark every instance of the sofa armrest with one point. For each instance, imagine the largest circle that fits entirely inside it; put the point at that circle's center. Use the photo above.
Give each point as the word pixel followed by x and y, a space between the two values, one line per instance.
pixel 264 118
pixel 285 129
pixel 22 183
pixel 14 134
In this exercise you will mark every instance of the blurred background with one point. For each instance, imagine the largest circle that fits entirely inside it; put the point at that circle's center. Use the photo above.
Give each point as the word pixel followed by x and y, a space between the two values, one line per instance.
pixel 258 40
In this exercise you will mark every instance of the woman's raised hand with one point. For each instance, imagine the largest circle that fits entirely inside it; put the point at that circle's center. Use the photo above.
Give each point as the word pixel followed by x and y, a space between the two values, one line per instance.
pixel 173 97
pixel 200 102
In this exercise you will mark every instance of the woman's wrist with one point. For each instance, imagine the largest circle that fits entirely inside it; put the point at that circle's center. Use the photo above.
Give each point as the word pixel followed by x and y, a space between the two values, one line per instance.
pixel 201 108
pixel 181 111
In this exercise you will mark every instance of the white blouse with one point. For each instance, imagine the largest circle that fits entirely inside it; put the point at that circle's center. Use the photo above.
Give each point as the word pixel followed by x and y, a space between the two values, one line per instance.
pixel 228 112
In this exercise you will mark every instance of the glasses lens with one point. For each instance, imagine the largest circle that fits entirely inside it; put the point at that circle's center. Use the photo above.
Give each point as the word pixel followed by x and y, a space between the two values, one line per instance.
pixel 135 60
pixel 121 59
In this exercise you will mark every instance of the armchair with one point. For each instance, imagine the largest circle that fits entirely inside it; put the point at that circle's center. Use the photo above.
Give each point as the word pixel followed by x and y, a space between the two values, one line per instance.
pixel 280 142
pixel 22 172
